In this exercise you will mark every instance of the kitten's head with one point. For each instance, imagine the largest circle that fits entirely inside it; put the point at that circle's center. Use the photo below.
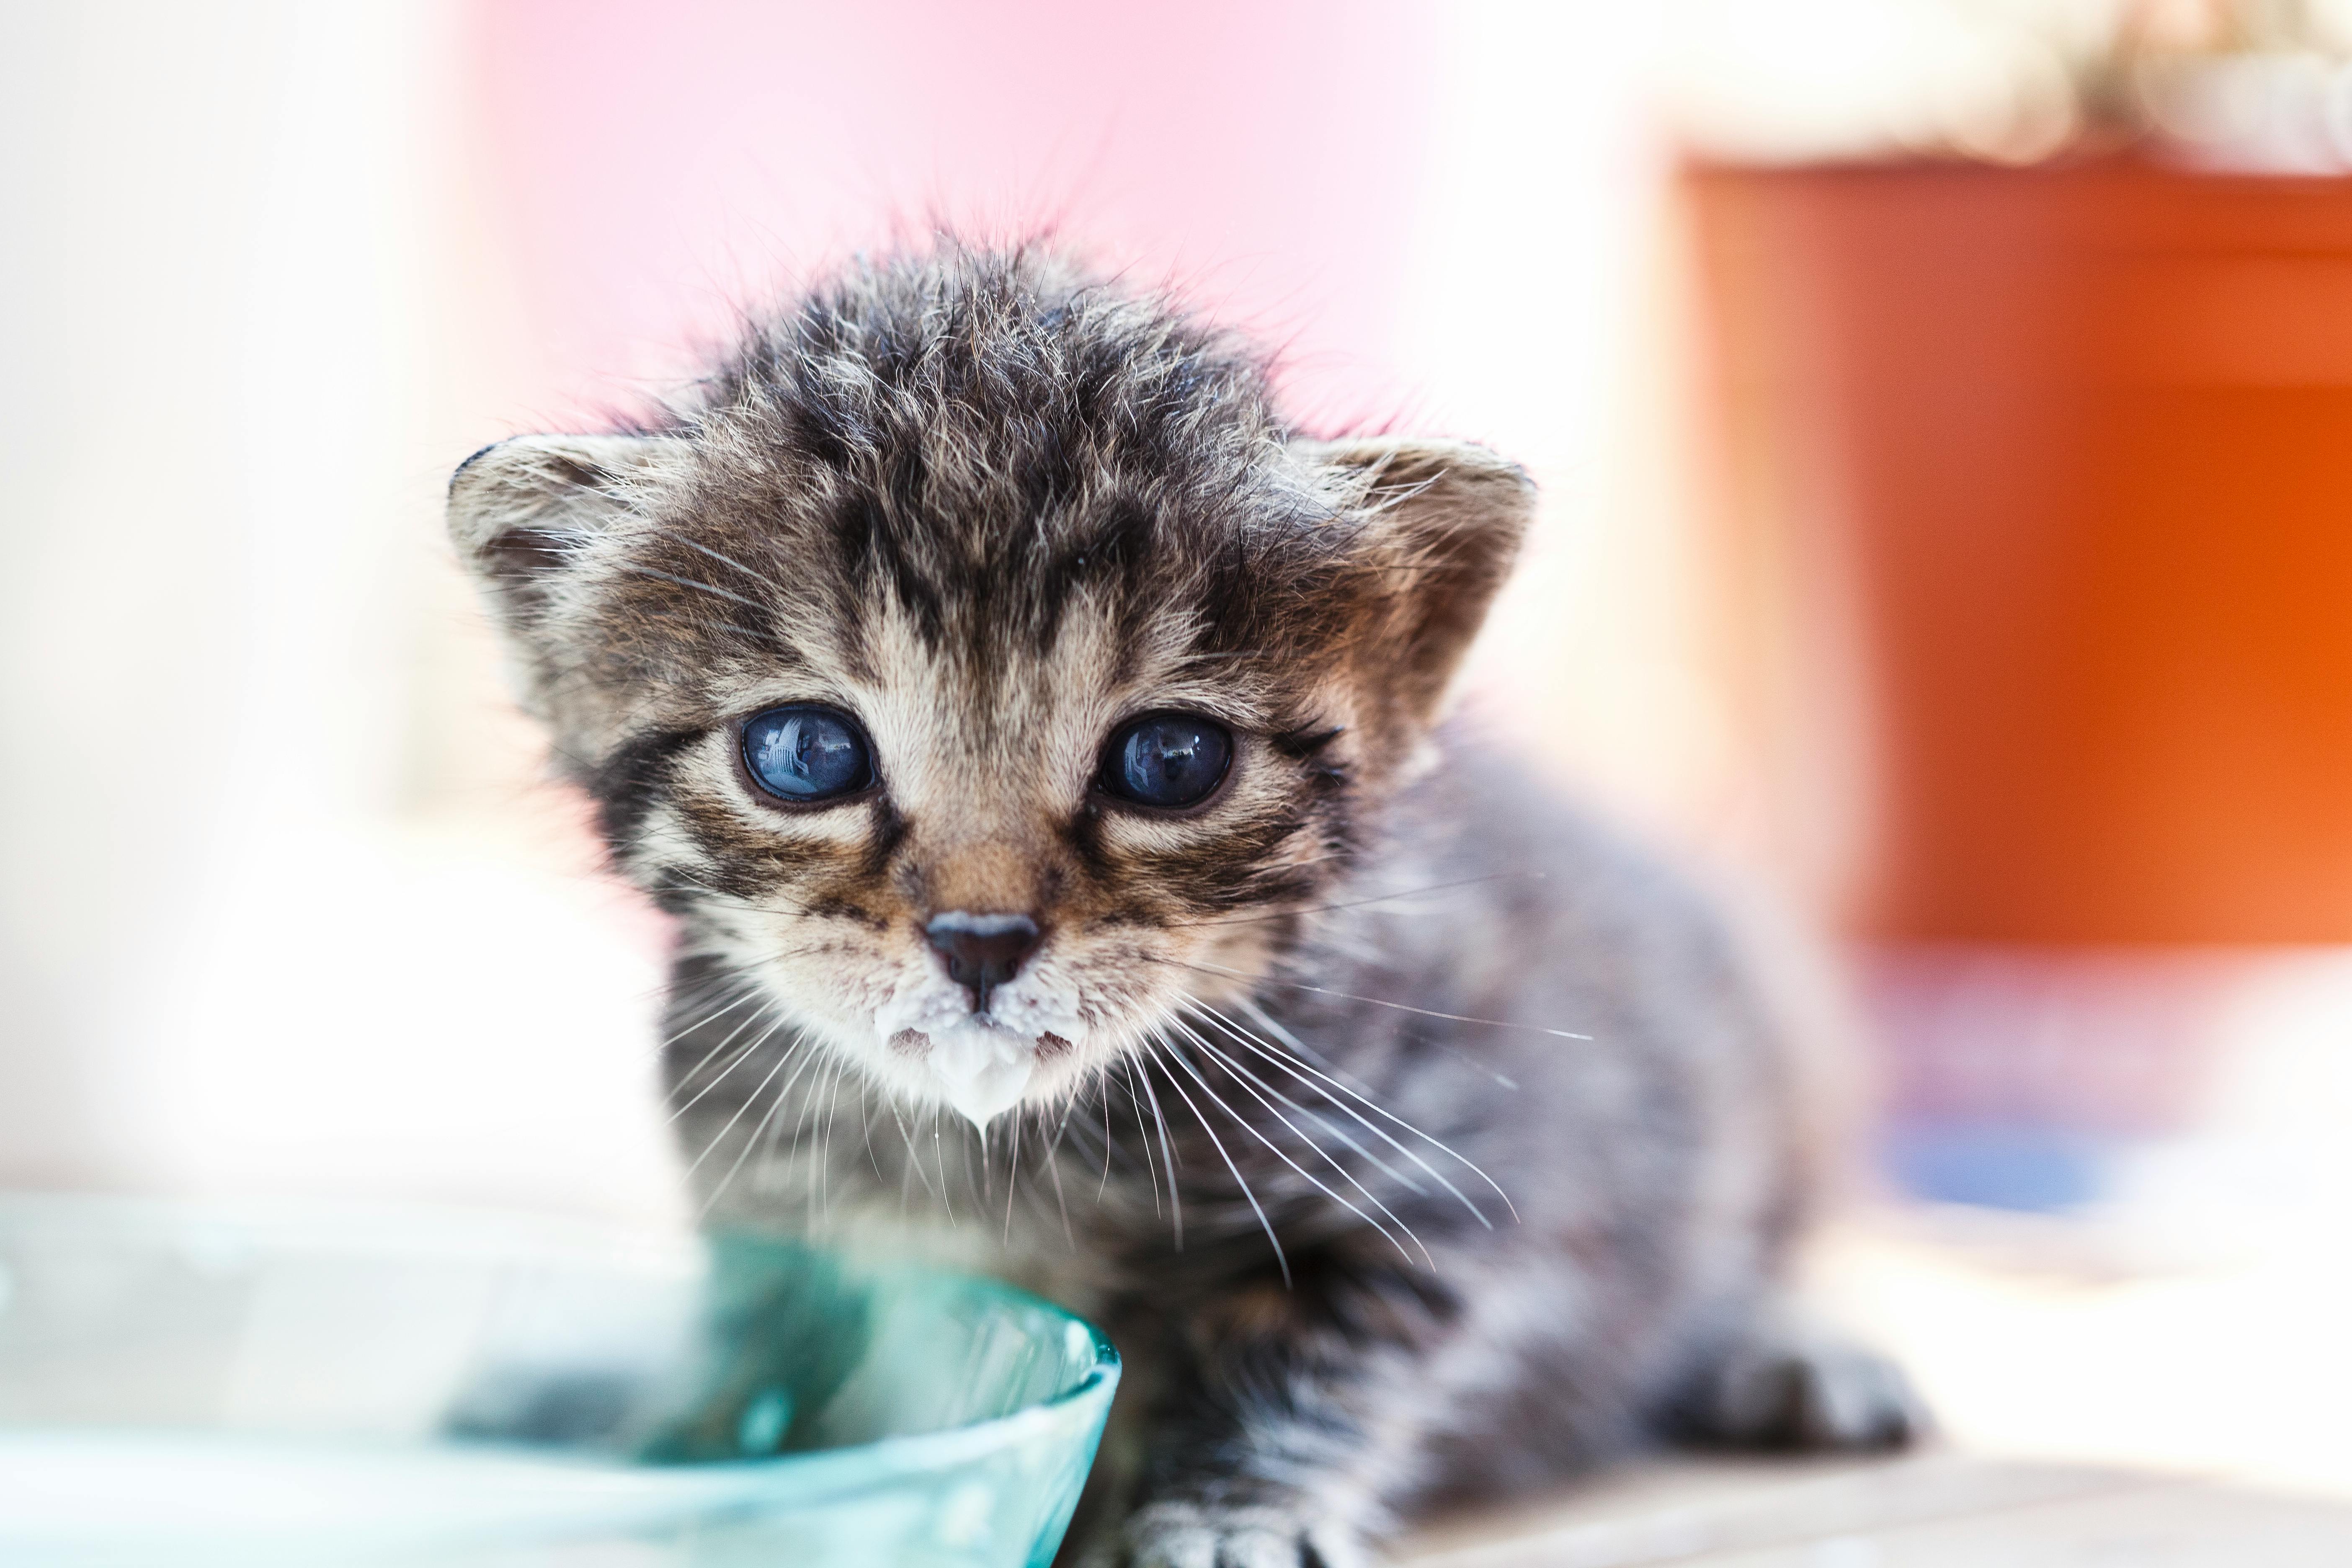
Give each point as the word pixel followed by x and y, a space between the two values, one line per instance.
pixel 978 668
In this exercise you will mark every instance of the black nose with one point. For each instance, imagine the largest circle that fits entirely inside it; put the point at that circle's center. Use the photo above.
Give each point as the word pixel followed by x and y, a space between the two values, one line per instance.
pixel 983 952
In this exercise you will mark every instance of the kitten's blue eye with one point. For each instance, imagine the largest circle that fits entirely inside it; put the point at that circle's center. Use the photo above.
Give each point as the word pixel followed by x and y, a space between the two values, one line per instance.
pixel 806 755
pixel 1167 759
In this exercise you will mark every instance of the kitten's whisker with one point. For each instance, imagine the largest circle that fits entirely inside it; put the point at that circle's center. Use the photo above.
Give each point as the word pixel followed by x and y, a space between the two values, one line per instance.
pixel 678 538
pixel 1284 914
pixel 800 1125
pixel 1012 1176
pixel 1280 1260
pixel 1102 1083
pixel 1070 1107
pixel 775 1131
pixel 1339 1199
pixel 873 1114
pixel 824 1154
pixel 782 907
pixel 820 1146
pixel 1167 1157
pixel 751 1140
pixel 1061 1204
pixel 906 1187
pixel 1324 858
pixel 914 1161
pixel 749 1100
pixel 692 582
pixel 1323 1084
pixel 1135 1104
pixel 743 994
pixel 1054 1170
pixel 1262 1017
pixel 752 632
pixel 800 1122
pixel 939 1156
pixel 704 1061
pixel 735 1061
pixel 1083 1131
pixel 1227 1026
pixel 1376 1002
pixel 816 1058
pixel 1260 1089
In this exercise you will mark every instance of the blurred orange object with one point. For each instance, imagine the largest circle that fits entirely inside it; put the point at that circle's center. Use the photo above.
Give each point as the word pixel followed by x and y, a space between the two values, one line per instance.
pixel 2073 447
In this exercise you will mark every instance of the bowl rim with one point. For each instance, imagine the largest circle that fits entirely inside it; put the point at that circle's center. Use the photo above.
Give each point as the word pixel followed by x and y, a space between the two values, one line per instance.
pixel 332 1226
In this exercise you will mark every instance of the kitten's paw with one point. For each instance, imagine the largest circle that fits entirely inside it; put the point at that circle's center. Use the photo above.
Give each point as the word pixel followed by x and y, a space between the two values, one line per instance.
pixel 1806 1389
pixel 1189 1535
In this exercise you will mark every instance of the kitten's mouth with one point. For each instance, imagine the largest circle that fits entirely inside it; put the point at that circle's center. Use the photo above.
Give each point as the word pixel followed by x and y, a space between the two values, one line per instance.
pixel 982 1067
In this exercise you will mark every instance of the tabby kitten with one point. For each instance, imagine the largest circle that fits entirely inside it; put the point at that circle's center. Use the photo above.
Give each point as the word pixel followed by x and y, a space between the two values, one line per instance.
pixel 1035 740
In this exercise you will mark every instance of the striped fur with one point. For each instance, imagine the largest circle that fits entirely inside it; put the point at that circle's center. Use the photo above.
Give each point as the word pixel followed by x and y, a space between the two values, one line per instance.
pixel 1414 1137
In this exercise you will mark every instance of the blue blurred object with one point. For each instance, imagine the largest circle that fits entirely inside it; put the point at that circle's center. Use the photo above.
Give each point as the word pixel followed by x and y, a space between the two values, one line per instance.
pixel 192 1384
pixel 2021 1165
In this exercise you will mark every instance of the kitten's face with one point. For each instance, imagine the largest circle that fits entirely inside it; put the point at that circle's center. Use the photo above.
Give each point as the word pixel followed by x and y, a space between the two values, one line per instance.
pixel 978 730
pixel 978 917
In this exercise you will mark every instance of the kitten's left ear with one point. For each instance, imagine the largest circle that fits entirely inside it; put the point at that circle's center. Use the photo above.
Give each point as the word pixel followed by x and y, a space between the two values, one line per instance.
pixel 524 515
pixel 522 511
pixel 1441 524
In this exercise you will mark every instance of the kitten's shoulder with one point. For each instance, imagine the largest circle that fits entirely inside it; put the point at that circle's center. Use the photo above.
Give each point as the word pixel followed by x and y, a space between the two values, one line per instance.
pixel 1480 810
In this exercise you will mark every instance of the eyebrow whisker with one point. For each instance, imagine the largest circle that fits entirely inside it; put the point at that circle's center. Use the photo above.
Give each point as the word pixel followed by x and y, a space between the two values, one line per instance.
pixel 692 582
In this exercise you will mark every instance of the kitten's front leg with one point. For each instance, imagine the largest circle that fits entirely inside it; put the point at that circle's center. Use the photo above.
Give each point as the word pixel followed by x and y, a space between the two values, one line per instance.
pixel 1200 1535
pixel 1286 1415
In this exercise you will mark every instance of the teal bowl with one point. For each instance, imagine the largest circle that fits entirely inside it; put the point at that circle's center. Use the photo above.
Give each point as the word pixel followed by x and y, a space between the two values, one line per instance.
pixel 193 1384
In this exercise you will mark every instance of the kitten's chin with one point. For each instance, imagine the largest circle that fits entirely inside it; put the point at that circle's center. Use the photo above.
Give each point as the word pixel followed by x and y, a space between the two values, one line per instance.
pixel 982 1070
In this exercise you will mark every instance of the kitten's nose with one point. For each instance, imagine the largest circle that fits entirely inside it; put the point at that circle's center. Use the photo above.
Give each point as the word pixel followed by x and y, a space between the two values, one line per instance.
pixel 983 952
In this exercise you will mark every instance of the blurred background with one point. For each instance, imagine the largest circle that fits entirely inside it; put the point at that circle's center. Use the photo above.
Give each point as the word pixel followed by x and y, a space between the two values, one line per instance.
pixel 1944 409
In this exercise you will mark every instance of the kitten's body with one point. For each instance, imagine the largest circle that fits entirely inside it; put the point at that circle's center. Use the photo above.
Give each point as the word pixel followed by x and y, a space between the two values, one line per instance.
pixel 1651 1178
pixel 1412 1138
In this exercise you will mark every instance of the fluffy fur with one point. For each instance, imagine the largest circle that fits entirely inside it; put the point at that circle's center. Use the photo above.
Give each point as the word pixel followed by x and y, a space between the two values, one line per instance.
pixel 1413 1138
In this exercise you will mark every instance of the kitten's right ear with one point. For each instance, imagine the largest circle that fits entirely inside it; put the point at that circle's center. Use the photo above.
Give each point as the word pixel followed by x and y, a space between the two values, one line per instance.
pixel 522 510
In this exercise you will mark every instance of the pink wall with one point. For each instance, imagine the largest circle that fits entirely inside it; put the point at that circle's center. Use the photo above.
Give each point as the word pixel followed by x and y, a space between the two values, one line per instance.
pixel 652 164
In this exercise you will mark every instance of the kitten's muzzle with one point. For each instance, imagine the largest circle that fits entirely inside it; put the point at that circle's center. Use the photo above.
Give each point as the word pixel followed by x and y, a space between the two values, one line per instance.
pixel 983 952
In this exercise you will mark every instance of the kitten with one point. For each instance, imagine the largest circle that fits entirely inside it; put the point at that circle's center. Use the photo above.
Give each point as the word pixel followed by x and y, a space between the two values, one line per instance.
pixel 1037 743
